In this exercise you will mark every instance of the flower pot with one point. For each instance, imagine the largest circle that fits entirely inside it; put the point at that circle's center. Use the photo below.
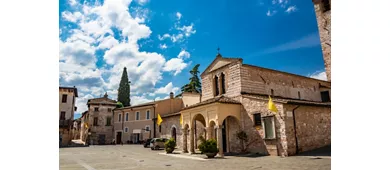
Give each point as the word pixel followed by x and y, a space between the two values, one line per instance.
pixel 169 150
pixel 211 155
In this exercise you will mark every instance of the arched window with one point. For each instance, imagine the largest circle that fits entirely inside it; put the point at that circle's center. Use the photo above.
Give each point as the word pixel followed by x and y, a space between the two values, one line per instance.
pixel 272 92
pixel 216 86
pixel 223 83
pixel 299 95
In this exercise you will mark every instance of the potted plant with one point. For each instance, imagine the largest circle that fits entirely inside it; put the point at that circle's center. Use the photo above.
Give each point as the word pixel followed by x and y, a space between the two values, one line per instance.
pixel 170 145
pixel 209 147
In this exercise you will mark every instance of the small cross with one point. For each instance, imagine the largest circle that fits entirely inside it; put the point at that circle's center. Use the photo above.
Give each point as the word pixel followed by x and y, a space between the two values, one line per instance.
pixel 218 49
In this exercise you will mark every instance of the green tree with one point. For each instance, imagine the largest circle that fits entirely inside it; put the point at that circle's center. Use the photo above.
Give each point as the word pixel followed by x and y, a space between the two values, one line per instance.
pixel 124 89
pixel 194 85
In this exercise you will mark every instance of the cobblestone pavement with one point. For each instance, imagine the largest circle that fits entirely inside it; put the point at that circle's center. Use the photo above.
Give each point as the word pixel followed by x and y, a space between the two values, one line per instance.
pixel 136 157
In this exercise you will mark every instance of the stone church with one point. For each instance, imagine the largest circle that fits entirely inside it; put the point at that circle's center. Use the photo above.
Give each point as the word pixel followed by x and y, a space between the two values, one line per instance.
pixel 235 98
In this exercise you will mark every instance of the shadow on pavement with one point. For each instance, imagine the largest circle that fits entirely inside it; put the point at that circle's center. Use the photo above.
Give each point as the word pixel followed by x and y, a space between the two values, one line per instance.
pixel 324 151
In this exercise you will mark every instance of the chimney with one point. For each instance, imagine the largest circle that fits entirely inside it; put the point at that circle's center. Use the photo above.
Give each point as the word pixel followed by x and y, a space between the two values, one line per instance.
pixel 171 95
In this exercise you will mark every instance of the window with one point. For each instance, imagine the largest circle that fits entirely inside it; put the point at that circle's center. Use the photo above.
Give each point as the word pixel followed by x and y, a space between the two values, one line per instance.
pixel 272 92
pixel 147 128
pixel 127 117
pixel 64 98
pixel 62 116
pixel 216 86
pixel 147 114
pixel 109 109
pixel 119 117
pixel 137 116
pixel 269 127
pixel 325 96
pixel 95 121
pixel 299 95
pixel 108 121
pixel 325 5
pixel 96 109
pixel 159 128
pixel 257 119
pixel 126 129
pixel 223 83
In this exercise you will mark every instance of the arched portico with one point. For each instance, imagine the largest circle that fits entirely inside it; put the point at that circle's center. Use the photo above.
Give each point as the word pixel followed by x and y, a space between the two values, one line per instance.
pixel 212 115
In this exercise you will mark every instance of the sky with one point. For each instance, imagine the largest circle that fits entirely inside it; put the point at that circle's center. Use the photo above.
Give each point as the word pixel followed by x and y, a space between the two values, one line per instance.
pixel 160 41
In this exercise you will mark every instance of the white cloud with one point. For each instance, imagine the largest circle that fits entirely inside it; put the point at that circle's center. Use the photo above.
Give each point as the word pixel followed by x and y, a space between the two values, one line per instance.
pixel 163 37
pixel 167 89
pixel 175 64
pixel 187 30
pixel 163 46
pixel 142 2
pixel 184 54
pixel 81 102
pixel 271 13
pixel 177 37
pixel 108 42
pixel 178 15
pixel 72 17
pixel 72 2
pixel 95 31
pixel 291 9
pixel 320 75
pixel 135 100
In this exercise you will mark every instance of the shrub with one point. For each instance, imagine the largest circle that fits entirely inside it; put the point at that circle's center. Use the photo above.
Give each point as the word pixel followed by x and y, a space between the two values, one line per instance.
pixel 208 146
pixel 170 145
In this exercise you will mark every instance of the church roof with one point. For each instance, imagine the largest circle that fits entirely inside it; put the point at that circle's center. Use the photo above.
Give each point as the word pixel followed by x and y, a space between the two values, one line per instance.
pixel 220 99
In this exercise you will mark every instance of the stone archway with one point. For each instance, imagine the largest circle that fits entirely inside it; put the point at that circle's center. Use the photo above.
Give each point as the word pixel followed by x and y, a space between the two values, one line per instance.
pixel 230 127
pixel 212 131
pixel 173 132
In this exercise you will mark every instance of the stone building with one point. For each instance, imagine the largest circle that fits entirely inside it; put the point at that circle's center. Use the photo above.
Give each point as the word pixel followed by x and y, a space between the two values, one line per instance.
pixel 322 10
pixel 171 127
pixel 134 124
pixel 99 121
pixel 76 129
pixel 235 97
pixel 67 100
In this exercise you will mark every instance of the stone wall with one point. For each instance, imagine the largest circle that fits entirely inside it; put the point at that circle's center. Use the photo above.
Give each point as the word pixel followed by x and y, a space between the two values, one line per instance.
pixel 262 81
pixel 233 126
pixel 166 129
pixel 232 81
pixel 313 127
pixel 324 28
pixel 277 146
pixel 101 128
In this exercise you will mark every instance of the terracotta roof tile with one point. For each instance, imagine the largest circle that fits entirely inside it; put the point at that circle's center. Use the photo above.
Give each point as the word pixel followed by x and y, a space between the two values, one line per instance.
pixel 287 100
pixel 220 99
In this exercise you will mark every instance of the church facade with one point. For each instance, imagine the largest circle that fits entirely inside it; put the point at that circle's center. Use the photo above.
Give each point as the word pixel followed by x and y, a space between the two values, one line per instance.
pixel 235 100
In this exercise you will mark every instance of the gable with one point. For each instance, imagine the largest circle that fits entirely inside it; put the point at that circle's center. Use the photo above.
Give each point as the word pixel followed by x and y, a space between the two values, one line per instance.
pixel 218 63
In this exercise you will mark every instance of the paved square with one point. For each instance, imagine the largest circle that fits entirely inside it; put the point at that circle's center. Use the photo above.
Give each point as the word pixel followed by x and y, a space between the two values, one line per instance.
pixel 136 157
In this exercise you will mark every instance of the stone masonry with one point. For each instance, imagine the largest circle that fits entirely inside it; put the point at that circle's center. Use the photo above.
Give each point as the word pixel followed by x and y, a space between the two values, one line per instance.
pixel 324 28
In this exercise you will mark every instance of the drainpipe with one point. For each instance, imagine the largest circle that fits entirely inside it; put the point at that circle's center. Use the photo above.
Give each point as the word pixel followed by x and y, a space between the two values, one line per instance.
pixel 295 130
pixel 154 122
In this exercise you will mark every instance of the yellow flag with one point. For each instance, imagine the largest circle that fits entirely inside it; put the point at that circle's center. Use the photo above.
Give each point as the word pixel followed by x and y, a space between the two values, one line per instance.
pixel 86 125
pixel 159 120
pixel 271 105
pixel 181 119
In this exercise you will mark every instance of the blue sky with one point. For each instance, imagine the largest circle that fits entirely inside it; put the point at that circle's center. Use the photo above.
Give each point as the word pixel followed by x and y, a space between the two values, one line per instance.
pixel 160 41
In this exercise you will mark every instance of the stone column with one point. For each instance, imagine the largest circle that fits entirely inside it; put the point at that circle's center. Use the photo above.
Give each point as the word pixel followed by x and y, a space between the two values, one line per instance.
pixel 209 132
pixel 192 149
pixel 219 141
pixel 220 84
pixel 185 150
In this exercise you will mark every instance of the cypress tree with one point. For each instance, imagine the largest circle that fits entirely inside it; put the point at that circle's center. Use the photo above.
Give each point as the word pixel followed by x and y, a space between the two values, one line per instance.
pixel 124 89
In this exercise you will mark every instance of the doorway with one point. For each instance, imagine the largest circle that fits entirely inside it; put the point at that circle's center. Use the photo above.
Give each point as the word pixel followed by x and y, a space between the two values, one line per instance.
pixel 173 134
pixel 102 139
pixel 118 137
pixel 224 136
